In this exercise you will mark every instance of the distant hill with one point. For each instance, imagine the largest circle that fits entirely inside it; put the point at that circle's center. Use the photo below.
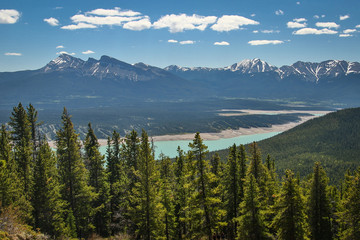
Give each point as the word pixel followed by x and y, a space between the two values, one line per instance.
pixel 333 139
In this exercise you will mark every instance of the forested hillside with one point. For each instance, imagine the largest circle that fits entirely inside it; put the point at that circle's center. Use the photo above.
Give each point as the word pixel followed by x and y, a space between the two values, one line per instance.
pixel 332 139
pixel 76 193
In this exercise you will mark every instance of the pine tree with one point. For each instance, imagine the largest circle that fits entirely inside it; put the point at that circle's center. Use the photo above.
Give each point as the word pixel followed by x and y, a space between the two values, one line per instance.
pixel 48 206
pixel 350 216
pixel 167 195
pixel 74 177
pixel 32 116
pixel 98 180
pixel 251 220
pixel 145 194
pixel 21 137
pixel 319 206
pixel 242 168
pixel 10 191
pixel 233 196
pixel 119 185
pixel 290 221
pixel 180 195
pixel 205 203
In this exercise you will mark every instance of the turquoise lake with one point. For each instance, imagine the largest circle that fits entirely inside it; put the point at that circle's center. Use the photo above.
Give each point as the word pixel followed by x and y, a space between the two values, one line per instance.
pixel 169 147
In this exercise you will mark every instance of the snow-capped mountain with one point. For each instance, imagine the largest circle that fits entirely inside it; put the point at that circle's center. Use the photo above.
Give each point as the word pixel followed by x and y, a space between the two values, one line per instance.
pixel 306 71
pixel 105 68
pixel 251 66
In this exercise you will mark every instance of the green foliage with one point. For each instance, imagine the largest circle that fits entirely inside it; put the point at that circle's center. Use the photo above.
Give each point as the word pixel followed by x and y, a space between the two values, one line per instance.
pixel 290 220
pixel 74 177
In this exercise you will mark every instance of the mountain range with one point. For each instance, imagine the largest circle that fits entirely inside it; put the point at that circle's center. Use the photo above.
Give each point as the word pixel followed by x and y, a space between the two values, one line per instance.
pixel 107 81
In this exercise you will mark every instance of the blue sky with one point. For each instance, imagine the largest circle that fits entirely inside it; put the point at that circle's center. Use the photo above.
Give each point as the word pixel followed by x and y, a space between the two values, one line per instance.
pixel 185 33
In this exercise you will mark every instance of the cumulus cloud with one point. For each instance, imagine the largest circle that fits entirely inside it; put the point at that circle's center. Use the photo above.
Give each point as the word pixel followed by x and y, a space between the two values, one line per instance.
pixel 296 25
pixel 345 35
pixel 179 23
pixel 349 30
pixel 264 42
pixel 344 17
pixel 9 16
pixel 88 52
pixel 279 12
pixel 78 26
pixel 138 25
pixel 299 19
pixel 255 31
pixel 187 42
pixel 232 22
pixel 60 46
pixel 52 21
pixel 357 26
pixel 64 52
pixel 317 16
pixel 12 54
pixel 113 12
pixel 327 25
pixel 172 41
pixel 223 43
pixel 128 19
pixel 253 15
pixel 307 31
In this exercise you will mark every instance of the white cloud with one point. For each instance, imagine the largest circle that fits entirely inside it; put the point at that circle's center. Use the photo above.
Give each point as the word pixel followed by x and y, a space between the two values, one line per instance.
pixel 344 17
pixel 64 52
pixel 307 31
pixel 9 16
pixel 128 19
pixel 253 15
pixel 12 54
pixel 327 25
pixel 323 16
pixel 349 31
pixel 270 31
pixel 255 31
pixel 172 41
pixel 179 23
pixel 88 52
pixel 78 26
pixel 60 46
pixel 58 8
pixel 298 3
pixel 296 25
pixel 114 12
pixel 187 42
pixel 52 21
pixel 316 16
pixel 357 26
pixel 279 12
pixel 264 42
pixel 223 43
pixel 299 19
pixel 345 35
pixel 138 25
pixel 232 22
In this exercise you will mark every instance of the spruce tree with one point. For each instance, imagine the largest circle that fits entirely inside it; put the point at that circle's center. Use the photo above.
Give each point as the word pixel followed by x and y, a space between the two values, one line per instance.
pixel 167 195
pixel 350 216
pixel 319 206
pixel 233 196
pixel 21 137
pixel 10 188
pixel 32 116
pixel 290 221
pixel 74 178
pixel 180 195
pixel 147 210
pixel 251 220
pixel 47 203
pixel 98 180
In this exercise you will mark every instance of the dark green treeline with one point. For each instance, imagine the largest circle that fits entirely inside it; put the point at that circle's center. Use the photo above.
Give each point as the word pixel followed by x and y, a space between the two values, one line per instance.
pixel 76 192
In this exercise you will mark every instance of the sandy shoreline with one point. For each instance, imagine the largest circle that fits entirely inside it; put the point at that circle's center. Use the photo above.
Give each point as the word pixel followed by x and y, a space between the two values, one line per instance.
pixel 230 133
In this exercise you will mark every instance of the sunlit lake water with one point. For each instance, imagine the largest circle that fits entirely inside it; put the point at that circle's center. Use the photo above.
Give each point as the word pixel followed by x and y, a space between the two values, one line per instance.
pixel 169 147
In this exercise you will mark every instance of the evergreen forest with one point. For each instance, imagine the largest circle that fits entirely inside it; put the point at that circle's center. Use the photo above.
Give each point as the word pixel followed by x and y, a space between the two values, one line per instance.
pixel 77 193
